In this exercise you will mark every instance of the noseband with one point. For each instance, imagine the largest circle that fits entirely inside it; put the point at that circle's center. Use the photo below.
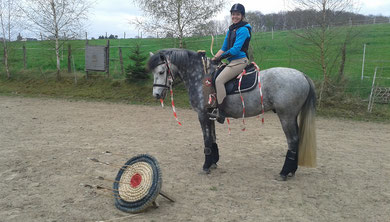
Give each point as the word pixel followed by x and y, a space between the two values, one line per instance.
pixel 168 76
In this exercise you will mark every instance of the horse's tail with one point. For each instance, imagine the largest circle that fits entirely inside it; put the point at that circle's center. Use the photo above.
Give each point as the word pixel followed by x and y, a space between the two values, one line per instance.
pixel 307 132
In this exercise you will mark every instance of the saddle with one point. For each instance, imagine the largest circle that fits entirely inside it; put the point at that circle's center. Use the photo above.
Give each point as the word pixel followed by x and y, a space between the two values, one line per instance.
pixel 248 83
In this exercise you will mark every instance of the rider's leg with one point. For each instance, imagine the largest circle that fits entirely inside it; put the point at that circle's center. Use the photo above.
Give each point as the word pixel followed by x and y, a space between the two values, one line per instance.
pixel 234 68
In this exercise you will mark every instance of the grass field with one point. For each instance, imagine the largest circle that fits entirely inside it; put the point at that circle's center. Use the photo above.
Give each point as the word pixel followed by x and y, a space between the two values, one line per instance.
pixel 268 52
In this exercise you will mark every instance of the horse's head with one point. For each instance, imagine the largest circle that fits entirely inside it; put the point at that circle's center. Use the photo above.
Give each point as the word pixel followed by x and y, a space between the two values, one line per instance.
pixel 162 74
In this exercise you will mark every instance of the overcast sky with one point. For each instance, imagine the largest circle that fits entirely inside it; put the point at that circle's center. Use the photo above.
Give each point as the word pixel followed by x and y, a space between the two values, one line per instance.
pixel 113 16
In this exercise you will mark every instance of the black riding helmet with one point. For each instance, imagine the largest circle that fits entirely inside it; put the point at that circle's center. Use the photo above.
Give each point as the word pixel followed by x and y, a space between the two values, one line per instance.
pixel 238 8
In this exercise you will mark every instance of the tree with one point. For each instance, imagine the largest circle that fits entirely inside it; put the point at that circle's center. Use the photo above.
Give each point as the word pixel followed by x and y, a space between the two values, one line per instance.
pixel 19 38
pixel 55 18
pixel 136 71
pixel 256 19
pixel 7 21
pixel 179 17
pixel 210 28
pixel 321 34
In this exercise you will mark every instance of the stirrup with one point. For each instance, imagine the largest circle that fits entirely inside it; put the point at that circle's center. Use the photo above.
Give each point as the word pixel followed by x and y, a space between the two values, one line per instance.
pixel 216 114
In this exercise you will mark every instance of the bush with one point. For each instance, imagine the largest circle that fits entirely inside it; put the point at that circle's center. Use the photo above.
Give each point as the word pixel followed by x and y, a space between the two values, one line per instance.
pixel 136 70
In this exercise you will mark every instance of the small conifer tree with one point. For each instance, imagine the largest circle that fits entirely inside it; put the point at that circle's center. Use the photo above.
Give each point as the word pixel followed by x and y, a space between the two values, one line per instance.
pixel 136 70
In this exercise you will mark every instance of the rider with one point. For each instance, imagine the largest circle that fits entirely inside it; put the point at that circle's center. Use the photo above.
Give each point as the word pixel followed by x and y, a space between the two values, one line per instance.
pixel 234 49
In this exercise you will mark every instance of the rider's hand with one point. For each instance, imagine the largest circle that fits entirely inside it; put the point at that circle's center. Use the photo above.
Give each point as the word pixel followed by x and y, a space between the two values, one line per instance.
pixel 216 60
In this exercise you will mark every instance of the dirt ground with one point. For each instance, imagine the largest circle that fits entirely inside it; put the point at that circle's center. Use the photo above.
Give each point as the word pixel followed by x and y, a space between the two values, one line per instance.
pixel 45 143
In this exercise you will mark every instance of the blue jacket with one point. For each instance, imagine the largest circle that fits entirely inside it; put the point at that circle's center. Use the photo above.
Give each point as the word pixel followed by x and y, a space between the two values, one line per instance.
pixel 235 52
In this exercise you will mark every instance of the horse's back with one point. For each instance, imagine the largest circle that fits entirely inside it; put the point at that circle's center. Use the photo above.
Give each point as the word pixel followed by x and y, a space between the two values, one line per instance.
pixel 286 88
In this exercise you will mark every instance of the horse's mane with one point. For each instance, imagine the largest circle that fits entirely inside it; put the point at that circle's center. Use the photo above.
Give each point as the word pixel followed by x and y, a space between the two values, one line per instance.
pixel 181 58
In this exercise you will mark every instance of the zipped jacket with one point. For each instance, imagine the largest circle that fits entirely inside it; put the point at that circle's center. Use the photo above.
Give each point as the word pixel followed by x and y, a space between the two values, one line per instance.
pixel 236 43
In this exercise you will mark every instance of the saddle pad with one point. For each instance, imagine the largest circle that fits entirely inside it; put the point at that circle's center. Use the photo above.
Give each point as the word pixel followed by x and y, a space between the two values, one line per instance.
pixel 248 82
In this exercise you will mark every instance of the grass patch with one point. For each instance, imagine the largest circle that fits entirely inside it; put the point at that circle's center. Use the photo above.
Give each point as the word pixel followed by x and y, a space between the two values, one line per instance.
pixel 39 78
pixel 96 88
pixel 101 88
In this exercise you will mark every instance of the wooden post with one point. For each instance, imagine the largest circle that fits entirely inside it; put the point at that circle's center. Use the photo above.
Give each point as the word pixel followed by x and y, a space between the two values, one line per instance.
pixel 364 56
pixel 86 71
pixel 4 55
pixel 121 60
pixel 69 58
pixel 108 58
pixel 371 100
pixel 74 71
pixel 289 57
pixel 24 57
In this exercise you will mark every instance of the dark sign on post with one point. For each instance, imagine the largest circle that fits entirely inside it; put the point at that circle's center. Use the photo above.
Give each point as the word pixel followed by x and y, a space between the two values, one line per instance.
pixel 95 58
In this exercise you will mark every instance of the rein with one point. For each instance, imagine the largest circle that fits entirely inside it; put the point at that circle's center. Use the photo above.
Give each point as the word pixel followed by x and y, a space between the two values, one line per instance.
pixel 168 84
pixel 169 81
pixel 168 77
pixel 242 98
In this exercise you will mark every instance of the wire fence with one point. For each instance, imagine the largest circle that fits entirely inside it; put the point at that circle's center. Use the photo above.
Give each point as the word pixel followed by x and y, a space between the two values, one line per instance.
pixel 271 49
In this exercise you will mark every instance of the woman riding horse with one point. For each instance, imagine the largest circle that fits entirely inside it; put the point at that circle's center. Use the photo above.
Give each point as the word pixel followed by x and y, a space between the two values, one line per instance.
pixel 235 49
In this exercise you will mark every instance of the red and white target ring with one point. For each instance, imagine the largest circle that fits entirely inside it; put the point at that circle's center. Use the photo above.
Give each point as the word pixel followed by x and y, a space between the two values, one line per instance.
pixel 135 182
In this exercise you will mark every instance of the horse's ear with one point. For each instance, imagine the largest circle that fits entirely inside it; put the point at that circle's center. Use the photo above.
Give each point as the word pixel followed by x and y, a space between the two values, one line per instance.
pixel 162 57
pixel 151 54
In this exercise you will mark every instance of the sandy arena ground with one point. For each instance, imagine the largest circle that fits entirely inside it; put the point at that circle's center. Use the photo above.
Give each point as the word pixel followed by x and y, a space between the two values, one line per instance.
pixel 45 143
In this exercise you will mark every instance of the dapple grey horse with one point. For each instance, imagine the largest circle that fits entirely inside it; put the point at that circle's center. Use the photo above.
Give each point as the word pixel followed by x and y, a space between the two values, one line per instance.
pixel 288 92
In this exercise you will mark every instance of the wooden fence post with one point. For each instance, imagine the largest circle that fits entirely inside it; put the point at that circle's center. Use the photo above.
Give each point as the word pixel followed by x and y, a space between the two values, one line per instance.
pixel 86 71
pixel 121 60
pixel 108 58
pixel 24 57
pixel 69 58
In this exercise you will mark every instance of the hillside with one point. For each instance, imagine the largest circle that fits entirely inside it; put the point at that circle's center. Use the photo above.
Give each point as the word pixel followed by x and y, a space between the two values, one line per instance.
pixel 283 50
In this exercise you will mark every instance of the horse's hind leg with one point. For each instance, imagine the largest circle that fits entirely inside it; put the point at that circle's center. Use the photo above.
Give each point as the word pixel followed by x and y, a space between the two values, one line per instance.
pixel 290 128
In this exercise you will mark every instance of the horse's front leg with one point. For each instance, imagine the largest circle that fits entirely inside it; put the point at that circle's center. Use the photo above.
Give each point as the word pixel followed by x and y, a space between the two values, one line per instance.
pixel 210 146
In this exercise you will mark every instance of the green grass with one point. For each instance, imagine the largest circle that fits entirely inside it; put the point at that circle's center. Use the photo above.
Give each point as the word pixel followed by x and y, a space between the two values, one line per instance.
pixel 39 78
pixel 268 52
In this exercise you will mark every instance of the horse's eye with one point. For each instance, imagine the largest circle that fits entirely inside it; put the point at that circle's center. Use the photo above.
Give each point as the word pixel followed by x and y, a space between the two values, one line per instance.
pixel 161 72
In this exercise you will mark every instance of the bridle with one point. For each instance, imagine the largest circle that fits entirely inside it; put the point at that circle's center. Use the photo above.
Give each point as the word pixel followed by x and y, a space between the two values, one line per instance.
pixel 168 84
pixel 168 76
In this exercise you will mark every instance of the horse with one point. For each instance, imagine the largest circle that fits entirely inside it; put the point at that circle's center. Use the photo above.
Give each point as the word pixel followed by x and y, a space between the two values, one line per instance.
pixel 288 92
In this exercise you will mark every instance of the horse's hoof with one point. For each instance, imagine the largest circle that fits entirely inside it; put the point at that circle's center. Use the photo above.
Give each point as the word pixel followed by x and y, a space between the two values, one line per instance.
pixel 213 166
pixel 292 174
pixel 281 177
pixel 205 171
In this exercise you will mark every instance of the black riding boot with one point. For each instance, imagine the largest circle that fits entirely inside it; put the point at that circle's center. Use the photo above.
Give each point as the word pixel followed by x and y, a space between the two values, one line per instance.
pixel 218 114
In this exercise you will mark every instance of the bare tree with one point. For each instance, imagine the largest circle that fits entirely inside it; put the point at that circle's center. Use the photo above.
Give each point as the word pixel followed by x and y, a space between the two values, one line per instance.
pixel 213 27
pixel 256 19
pixel 321 33
pixel 11 17
pixel 6 22
pixel 53 18
pixel 179 17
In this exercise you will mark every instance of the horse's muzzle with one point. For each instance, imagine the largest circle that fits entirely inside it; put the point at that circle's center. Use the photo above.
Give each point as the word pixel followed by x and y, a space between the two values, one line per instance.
pixel 160 95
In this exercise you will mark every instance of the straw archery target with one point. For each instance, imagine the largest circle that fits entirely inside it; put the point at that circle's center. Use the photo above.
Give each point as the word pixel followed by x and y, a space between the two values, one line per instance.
pixel 137 184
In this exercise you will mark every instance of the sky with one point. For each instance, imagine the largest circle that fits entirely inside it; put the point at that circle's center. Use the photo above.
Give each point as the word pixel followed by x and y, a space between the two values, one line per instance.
pixel 113 16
